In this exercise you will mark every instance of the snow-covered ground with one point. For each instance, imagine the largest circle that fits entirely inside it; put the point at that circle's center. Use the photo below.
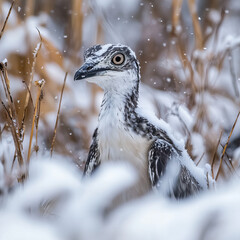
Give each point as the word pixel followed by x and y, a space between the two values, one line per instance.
pixel 55 203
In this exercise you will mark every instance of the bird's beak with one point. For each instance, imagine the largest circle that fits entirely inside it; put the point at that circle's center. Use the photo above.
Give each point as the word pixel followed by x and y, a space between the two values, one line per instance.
pixel 85 71
pixel 88 70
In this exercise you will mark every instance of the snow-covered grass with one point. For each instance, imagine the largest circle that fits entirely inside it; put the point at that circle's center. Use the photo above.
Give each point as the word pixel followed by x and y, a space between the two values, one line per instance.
pixel 191 78
pixel 55 203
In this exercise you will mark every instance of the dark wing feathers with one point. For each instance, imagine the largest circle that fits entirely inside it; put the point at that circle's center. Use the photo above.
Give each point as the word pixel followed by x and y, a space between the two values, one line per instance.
pixel 93 160
pixel 161 153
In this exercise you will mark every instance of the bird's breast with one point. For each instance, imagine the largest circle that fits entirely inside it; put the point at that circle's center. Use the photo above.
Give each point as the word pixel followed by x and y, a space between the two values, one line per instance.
pixel 118 143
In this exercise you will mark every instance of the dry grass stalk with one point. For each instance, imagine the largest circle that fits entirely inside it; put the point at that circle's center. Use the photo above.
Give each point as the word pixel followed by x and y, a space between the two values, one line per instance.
pixel 198 36
pixel 28 95
pixel 225 147
pixel 228 162
pixel 14 131
pixel 196 25
pixel 29 8
pixel 216 33
pixel 176 11
pixel 48 6
pixel 181 50
pixel 36 148
pixel 59 106
pixel 187 64
pixel 76 25
pixel 5 22
pixel 100 35
pixel 40 85
pixel 6 84
pixel 233 73
pixel 215 153
pixel 11 114
pixel 200 159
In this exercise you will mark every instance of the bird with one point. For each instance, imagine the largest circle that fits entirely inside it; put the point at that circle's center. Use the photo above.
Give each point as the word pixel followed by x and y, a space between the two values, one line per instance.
pixel 125 133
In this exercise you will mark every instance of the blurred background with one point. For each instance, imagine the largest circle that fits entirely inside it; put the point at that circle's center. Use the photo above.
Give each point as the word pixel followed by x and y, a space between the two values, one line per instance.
pixel 189 56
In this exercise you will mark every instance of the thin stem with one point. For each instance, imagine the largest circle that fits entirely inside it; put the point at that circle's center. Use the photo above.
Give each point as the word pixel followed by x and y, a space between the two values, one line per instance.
pixel 225 147
pixel 59 106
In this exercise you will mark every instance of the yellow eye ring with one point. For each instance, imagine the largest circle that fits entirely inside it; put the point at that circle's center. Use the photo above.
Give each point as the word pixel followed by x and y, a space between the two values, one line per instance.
pixel 118 59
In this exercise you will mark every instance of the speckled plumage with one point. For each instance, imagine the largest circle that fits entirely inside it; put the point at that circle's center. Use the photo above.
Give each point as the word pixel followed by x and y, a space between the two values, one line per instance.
pixel 124 134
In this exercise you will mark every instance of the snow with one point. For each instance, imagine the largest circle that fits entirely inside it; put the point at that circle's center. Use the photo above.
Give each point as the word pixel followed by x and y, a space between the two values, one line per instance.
pixel 232 41
pixel 4 61
pixel 9 43
pixel 55 72
pixel 162 219
pixel 185 160
pixel 36 50
pixel 40 82
pixel 214 16
pixel 198 145
pixel 57 181
pixel 51 181
pixel 129 6
pixel 19 227
pixel 77 209
pixel 229 42
pixel 2 182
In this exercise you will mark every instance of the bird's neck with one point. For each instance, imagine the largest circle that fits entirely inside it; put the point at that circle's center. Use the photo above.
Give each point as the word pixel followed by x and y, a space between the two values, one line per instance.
pixel 115 103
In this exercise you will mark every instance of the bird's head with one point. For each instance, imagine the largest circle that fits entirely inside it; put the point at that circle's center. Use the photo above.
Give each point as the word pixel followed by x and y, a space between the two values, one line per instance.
pixel 112 67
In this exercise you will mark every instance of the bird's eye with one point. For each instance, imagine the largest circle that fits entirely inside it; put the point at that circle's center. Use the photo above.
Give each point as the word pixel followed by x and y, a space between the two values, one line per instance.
pixel 118 59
